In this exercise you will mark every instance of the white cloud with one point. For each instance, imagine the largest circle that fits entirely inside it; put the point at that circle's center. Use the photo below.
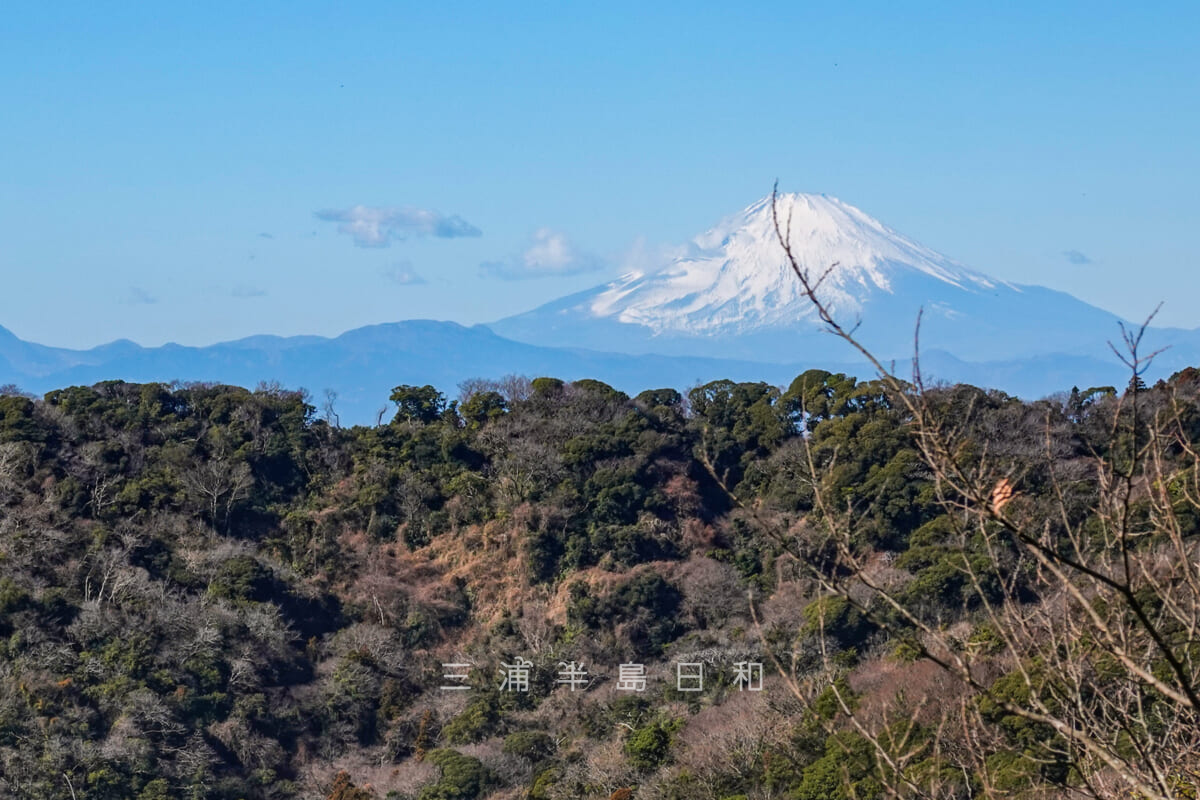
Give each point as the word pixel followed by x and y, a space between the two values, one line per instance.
pixel 247 291
pixel 138 296
pixel 644 257
pixel 549 253
pixel 372 226
pixel 403 274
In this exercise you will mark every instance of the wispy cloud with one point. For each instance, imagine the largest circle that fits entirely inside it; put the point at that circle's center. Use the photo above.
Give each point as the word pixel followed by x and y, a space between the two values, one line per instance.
pixel 245 291
pixel 137 296
pixel 643 256
pixel 548 254
pixel 1077 258
pixel 403 274
pixel 372 226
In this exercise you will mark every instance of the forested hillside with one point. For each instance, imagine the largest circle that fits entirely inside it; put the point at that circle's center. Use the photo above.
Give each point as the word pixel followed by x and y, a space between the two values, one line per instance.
pixel 208 592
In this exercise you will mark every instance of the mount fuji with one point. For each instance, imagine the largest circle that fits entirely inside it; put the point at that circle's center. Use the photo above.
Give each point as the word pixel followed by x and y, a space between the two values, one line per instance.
pixel 732 294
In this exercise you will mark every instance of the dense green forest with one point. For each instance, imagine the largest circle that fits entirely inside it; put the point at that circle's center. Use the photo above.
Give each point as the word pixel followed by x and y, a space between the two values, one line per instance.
pixel 213 593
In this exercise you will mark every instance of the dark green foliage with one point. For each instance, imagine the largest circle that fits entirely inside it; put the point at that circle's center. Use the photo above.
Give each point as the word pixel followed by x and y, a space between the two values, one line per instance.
pixel 157 789
pixel 242 578
pixel 649 747
pixel 745 550
pixel 477 721
pixel 834 616
pixel 418 403
pixel 1012 772
pixel 847 770
pixel 627 711
pixel 13 599
pixel 535 746
pixel 659 399
pixel 483 407
pixel 547 387
pixel 739 423
pixel 545 549
pixel 462 777
pixel 647 603
pixel 17 422
pixel 599 389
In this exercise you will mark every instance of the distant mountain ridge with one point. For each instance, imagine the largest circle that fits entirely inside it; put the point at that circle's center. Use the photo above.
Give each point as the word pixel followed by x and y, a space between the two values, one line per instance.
pixel 364 364
pixel 361 365
pixel 727 307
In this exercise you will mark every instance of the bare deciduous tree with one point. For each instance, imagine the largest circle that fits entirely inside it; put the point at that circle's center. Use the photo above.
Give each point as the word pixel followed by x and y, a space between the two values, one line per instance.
pixel 220 484
pixel 1078 649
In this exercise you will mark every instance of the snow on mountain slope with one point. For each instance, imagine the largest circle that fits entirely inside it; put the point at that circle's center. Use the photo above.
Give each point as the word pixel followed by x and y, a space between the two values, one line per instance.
pixel 732 294
pixel 737 278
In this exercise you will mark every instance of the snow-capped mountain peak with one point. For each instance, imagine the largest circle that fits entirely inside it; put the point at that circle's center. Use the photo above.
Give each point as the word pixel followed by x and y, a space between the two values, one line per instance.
pixel 730 292
pixel 735 276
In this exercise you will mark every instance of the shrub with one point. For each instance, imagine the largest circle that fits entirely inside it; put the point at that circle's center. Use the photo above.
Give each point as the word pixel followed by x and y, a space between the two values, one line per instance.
pixel 475 722
pixel 463 777
pixel 648 602
pixel 649 747
pixel 845 771
pixel 532 745
pixel 344 789
pixel 834 616
pixel 242 578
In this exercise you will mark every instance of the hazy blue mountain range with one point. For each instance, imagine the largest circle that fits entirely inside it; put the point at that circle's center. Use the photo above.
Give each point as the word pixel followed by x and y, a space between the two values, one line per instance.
pixel 363 365
pixel 727 306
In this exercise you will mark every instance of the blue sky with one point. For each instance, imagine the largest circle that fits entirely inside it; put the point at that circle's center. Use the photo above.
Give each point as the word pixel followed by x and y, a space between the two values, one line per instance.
pixel 202 171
